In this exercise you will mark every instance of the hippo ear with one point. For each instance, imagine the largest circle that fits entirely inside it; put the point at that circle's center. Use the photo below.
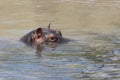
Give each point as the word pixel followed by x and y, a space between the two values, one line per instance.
pixel 49 26
pixel 39 31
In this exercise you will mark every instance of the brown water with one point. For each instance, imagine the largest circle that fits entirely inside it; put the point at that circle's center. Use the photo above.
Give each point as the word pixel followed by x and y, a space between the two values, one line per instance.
pixel 92 25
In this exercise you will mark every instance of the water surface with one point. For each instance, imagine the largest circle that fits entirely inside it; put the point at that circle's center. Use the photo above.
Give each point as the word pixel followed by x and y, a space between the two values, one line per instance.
pixel 93 26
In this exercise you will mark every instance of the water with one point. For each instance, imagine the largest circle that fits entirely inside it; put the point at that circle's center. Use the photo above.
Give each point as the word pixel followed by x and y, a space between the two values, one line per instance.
pixel 92 54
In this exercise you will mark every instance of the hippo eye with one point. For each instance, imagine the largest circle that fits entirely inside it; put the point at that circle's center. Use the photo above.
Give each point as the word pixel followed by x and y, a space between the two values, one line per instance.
pixel 52 38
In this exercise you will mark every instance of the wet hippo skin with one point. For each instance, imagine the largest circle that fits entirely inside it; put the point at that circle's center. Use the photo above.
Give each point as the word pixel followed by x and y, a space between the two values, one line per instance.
pixel 40 36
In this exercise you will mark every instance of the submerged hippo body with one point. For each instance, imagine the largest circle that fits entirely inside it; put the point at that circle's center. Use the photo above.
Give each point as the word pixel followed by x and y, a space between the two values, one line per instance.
pixel 41 36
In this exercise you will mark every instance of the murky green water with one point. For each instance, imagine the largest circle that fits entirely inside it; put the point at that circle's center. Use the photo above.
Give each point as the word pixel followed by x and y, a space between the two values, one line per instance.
pixel 92 54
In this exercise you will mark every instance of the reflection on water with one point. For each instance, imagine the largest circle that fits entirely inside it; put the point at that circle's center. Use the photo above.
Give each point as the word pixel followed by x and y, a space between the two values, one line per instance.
pixel 92 54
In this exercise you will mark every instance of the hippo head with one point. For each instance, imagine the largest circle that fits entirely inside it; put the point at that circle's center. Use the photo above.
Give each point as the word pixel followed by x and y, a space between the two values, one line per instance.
pixel 41 37
pixel 50 35
pixel 46 35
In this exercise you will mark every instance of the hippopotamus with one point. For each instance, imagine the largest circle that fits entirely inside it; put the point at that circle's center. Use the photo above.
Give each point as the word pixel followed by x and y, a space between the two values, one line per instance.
pixel 42 36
